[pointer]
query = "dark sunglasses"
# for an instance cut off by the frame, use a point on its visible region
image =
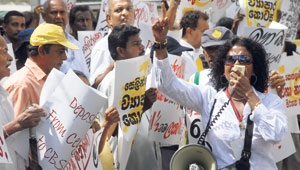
(243, 59)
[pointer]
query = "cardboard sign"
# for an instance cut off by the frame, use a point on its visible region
(271, 39)
(86, 156)
(290, 69)
(4, 154)
(69, 115)
(128, 98)
(258, 13)
(166, 116)
(88, 39)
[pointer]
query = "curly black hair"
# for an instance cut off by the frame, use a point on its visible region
(260, 64)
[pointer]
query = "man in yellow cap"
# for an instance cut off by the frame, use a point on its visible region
(47, 50)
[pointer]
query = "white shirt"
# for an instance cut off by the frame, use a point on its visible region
(75, 58)
(270, 124)
(189, 58)
(100, 59)
(6, 116)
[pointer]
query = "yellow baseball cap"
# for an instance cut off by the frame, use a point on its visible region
(47, 33)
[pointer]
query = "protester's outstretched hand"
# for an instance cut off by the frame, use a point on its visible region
(30, 117)
(111, 116)
(161, 26)
(277, 81)
(150, 98)
(236, 21)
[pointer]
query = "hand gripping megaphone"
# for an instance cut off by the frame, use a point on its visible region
(193, 157)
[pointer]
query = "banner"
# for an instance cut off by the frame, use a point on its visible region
(166, 116)
(4, 154)
(271, 39)
(88, 39)
(86, 156)
(69, 115)
(128, 98)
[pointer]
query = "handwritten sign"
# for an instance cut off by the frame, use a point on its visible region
(129, 96)
(289, 68)
(69, 115)
(271, 39)
(289, 17)
(102, 24)
(86, 156)
(258, 13)
(88, 40)
(166, 115)
(4, 154)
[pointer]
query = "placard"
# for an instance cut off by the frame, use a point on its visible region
(128, 98)
(69, 115)
(166, 116)
(88, 39)
(86, 156)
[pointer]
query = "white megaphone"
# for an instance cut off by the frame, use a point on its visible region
(193, 157)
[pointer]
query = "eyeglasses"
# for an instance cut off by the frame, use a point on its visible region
(243, 59)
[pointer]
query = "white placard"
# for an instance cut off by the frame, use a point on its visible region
(128, 98)
(86, 157)
(271, 39)
(166, 116)
(258, 13)
(290, 69)
(4, 154)
(69, 115)
(88, 39)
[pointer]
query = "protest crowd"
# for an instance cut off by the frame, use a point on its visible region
(134, 86)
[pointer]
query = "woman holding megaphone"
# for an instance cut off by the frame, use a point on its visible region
(236, 104)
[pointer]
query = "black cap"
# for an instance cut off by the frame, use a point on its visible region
(174, 47)
(216, 36)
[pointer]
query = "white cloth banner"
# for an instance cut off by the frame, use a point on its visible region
(166, 116)
(69, 115)
(88, 39)
(86, 157)
(128, 98)
(4, 154)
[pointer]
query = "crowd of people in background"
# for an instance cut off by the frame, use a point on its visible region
(209, 74)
